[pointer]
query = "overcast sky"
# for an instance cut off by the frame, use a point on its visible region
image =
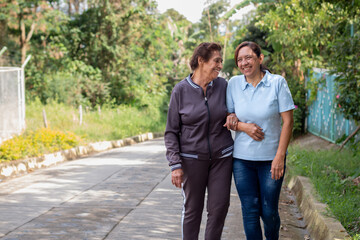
(192, 9)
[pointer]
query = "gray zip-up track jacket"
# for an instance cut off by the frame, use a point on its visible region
(195, 122)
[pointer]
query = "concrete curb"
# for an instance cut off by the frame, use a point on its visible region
(20, 167)
(320, 226)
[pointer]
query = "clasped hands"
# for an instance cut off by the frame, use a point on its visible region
(251, 129)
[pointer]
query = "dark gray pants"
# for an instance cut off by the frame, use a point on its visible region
(215, 176)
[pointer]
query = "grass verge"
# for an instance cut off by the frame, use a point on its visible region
(335, 176)
(108, 123)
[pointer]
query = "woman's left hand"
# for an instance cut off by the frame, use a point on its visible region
(277, 168)
(231, 121)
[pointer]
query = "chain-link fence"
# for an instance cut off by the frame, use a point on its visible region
(12, 101)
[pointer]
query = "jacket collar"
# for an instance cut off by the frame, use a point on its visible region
(194, 85)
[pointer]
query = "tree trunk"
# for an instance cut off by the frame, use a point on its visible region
(225, 41)
(69, 10)
(208, 13)
(349, 137)
(23, 52)
(77, 6)
(24, 40)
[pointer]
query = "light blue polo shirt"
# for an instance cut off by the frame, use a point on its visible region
(261, 105)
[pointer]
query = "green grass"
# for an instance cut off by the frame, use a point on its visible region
(64, 129)
(108, 124)
(332, 173)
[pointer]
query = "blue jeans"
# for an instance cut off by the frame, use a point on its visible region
(259, 196)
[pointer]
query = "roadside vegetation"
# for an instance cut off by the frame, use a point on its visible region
(36, 143)
(109, 122)
(336, 178)
(64, 130)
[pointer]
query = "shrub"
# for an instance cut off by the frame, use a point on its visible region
(36, 143)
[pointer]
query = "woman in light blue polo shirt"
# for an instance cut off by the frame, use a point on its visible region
(257, 102)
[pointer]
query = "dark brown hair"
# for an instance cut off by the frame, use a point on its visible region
(205, 51)
(255, 48)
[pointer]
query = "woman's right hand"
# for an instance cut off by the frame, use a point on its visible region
(253, 130)
(177, 177)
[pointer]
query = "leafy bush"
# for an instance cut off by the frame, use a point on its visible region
(355, 237)
(75, 83)
(36, 143)
(346, 65)
(344, 60)
(298, 95)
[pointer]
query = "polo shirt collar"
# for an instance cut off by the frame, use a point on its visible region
(264, 81)
(194, 85)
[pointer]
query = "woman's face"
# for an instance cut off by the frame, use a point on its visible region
(248, 62)
(211, 68)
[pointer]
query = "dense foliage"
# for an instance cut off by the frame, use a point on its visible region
(344, 60)
(111, 51)
(128, 53)
(301, 35)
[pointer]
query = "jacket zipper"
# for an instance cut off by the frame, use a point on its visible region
(208, 138)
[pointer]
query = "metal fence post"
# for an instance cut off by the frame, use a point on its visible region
(22, 100)
(3, 50)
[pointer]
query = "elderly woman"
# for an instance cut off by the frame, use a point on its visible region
(199, 147)
(260, 101)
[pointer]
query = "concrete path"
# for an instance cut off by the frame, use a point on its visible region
(123, 193)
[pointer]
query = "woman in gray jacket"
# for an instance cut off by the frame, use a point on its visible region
(199, 148)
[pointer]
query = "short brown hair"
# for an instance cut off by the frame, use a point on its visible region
(205, 51)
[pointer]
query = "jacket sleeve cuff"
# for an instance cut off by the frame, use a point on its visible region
(175, 166)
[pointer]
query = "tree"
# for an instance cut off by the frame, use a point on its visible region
(24, 18)
(4, 16)
(344, 62)
(128, 44)
(252, 33)
(182, 33)
(299, 33)
(74, 4)
(209, 22)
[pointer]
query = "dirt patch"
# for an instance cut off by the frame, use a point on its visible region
(313, 142)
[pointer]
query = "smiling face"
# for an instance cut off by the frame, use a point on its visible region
(211, 68)
(248, 62)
